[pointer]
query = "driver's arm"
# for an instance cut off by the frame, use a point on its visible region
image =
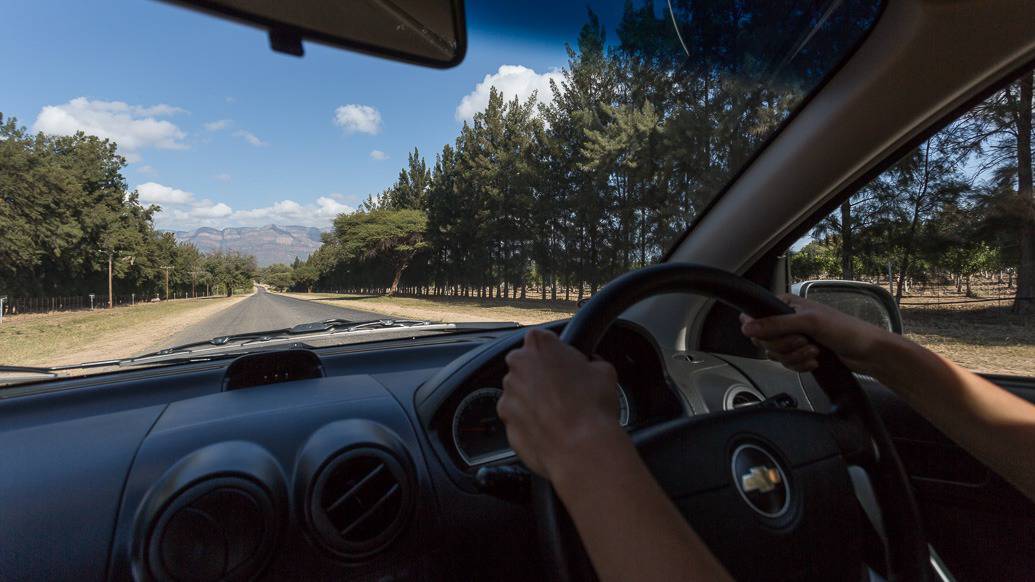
(993, 424)
(560, 410)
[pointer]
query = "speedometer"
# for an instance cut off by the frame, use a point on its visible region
(623, 407)
(481, 437)
(478, 432)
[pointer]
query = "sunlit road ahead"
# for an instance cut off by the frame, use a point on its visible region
(263, 311)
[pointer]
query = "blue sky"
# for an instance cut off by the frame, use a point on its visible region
(221, 131)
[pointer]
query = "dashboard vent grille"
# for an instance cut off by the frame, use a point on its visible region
(739, 396)
(360, 502)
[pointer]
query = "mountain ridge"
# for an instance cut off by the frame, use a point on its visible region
(269, 243)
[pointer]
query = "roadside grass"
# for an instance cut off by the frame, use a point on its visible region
(449, 308)
(42, 339)
(984, 337)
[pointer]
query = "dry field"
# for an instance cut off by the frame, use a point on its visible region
(51, 339)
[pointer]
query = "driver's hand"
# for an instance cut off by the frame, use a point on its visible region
(785, 338)
(556, 403)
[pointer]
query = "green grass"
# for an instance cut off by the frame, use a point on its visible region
(38, 338)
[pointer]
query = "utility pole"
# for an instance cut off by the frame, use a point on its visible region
(111, 259)
(193, 280)
(166, 269)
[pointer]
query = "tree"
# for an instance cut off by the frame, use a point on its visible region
(279, 276)
(1000, 131)
(918, 187)
(815, 260)
(231, 270)
(392, 236)
(305, 276)
(410, 190)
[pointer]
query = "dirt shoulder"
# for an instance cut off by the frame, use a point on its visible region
(68, 338)
(447, 308)
(979, 337)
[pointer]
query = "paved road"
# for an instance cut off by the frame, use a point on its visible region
(264, 311)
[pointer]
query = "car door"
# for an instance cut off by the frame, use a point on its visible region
(948, 230)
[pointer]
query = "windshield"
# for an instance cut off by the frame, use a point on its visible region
(166, 179)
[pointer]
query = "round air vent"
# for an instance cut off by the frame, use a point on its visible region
(218, 529)
(739, 396)
(214, 515)
(360, 502)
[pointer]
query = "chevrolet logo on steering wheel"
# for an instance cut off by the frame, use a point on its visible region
(761, 479)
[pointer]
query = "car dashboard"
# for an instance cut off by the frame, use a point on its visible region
(340, 462)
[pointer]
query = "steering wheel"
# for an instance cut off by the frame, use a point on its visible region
(768, 489)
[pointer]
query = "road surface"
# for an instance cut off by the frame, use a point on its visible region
(264, 311)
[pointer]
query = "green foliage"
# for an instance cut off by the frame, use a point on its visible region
(816, 260)
(65, 209)
(382, 241)
(279, 276)
(230, 272)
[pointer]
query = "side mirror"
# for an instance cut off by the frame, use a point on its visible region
(870, 303)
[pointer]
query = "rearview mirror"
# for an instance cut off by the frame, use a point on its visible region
(424, 32)
(870, 303)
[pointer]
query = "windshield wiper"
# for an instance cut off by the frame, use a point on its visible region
(19, 374)
(25, 369)
(335, 325)
(327, 327)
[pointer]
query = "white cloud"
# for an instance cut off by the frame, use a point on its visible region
(222, 177)
(231, 100)
(289, 212)
(208, 209)
(218, 125)
(378, 155)
(250, 138)
(155, 193)
(132, 127)
(355, 118)
(182, 210)
(512, 81)
(146, 170)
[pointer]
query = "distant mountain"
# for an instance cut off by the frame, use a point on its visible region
(268, 244)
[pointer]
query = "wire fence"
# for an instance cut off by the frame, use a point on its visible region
(25, 305)
(1007, 299)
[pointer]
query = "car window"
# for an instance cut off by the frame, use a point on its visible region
(949, 231)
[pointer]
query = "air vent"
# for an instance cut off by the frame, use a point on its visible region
(739, 396)
(360, 502)
(218, 529)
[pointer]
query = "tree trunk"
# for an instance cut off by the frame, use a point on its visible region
(847, 244)
(1024, 301)
(395, 279)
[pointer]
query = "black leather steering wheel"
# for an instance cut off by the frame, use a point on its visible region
(767, 488)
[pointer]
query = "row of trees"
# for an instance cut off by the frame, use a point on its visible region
(637, 137)
(960, 204)
(636, 140)
(66, 213)
(297, 276)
